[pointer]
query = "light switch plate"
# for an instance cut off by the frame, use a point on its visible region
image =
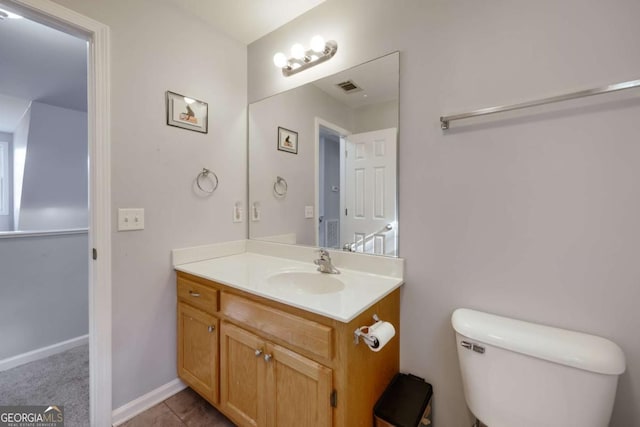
(130, 219)
(308, 211)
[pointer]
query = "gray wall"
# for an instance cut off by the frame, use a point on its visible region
(531, 215)
(54, 188)
(156, 47)
(43, 291)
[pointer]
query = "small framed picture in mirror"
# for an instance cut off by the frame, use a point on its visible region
(187, 113)
(287, 140)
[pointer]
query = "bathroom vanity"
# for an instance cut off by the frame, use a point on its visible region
(266, 351)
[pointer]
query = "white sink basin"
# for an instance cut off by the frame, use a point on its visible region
(306, 283)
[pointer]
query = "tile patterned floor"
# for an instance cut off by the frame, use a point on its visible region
(184, 409)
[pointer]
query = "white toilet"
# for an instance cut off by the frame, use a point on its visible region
(520, 374)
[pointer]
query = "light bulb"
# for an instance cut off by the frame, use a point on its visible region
(317, 44)
(297, 51)
(280, 59)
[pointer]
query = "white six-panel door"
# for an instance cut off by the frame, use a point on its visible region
(369, 204)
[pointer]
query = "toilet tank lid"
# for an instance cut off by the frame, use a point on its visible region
(576, 349)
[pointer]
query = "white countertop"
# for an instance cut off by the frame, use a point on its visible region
(249, 272)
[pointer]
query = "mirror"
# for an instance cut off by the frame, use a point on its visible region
(323, 161)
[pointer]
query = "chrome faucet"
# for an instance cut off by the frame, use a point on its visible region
(324, 263)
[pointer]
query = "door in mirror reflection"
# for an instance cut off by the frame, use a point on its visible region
(369, 197)
(357, 182)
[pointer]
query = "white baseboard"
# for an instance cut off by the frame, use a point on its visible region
(144, 402)
(41, 353)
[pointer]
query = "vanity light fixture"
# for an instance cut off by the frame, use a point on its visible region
(302, 59)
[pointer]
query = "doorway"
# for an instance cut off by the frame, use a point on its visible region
(329, 182)
(99, 243)
(44, 308)
(329, 192)
(355, 189)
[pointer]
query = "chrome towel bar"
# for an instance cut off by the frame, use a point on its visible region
(444, 120)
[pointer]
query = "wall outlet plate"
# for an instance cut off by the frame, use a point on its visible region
(255, 212)
(237, 213)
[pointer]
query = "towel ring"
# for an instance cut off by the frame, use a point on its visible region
(280, 187)
(205, 174)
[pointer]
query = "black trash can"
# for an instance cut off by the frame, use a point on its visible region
(406, 402)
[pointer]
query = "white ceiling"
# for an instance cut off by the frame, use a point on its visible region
(38, 63)
(247, 20)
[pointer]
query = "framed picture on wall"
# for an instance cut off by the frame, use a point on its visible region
(287, 140)
(187, 113)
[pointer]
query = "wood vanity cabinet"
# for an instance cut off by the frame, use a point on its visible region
(280, 366)
(264, 384)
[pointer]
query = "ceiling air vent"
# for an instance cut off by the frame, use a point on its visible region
(349, 86)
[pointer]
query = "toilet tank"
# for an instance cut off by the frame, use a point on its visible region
(517, 373)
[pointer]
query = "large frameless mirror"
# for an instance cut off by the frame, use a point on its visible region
(323, 161)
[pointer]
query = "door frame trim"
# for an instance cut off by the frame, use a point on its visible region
(99, 143)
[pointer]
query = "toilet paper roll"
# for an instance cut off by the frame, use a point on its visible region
(381, 333)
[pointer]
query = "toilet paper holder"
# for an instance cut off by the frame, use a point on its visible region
(359, 333)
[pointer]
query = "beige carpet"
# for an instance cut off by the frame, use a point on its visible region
(61, 379)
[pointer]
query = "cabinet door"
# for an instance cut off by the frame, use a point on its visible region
(198, 350)
(298, 390)
(242, 376)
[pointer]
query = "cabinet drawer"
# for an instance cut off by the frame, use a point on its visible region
(298, 332)
(198, 295)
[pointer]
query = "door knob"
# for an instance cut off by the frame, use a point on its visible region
(258, 352)
(268, 357)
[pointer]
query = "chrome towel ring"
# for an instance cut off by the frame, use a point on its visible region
(280, 187)
(205, 175)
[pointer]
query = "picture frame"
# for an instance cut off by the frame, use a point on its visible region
(287, 140)
(187, 113)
